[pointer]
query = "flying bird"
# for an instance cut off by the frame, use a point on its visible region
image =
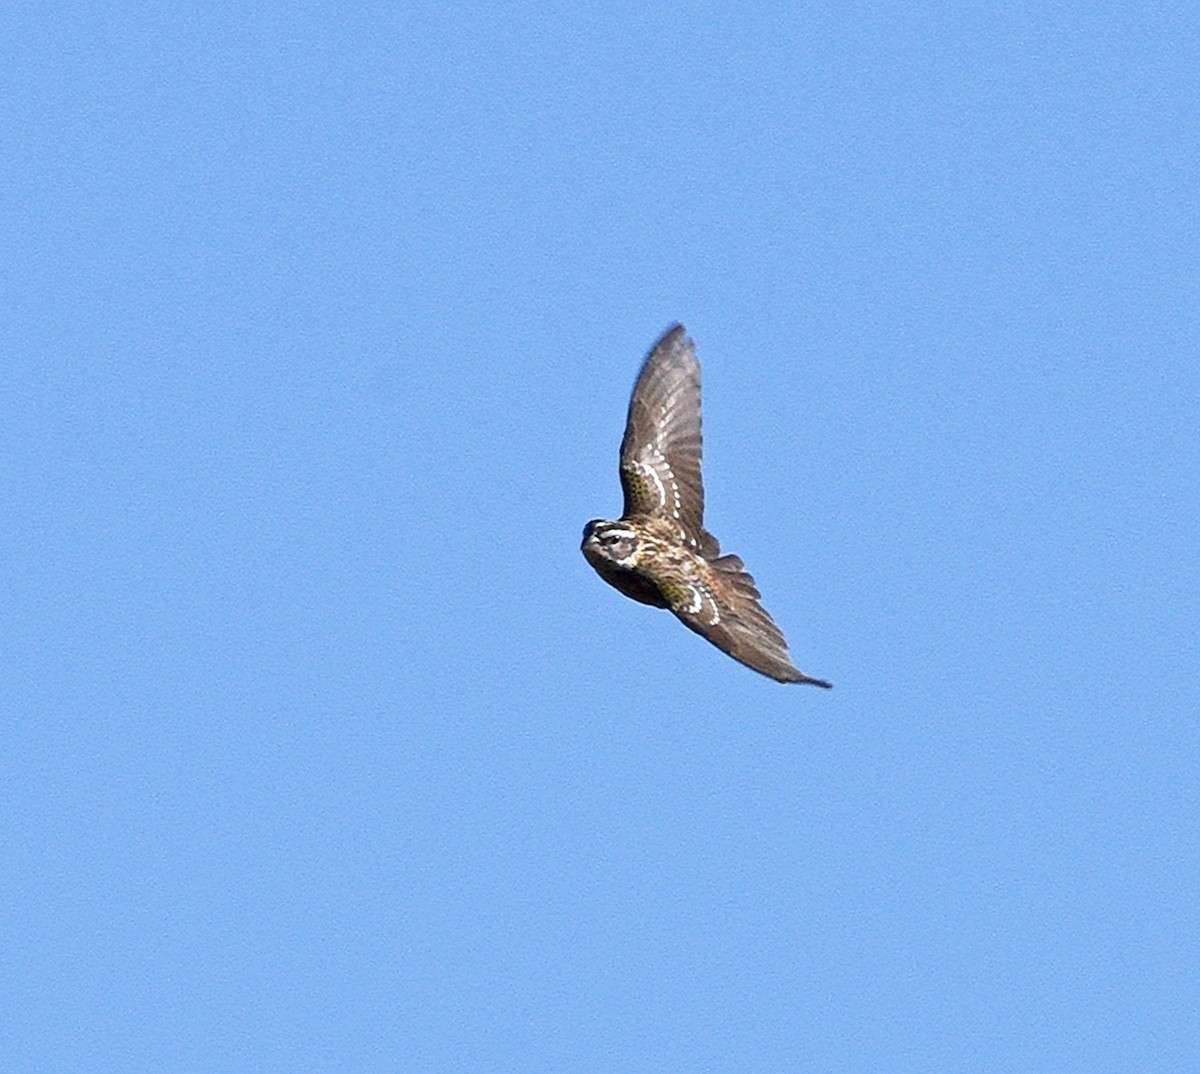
(658, 552)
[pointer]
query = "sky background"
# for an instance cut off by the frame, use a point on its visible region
(321, 746)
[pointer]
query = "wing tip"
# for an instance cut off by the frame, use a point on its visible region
(800, 677)
(674, 339)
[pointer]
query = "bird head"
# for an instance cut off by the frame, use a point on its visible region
(610, 543)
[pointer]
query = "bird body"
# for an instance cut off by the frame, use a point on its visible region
(658, 552)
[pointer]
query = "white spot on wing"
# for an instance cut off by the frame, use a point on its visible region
(716, 613)
(652, 473)
(700, 598)
(661, 461)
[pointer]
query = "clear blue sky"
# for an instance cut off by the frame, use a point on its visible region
(322, 747)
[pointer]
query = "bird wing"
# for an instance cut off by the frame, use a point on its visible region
(660, 453)
(724, 607)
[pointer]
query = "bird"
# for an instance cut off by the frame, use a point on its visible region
(658, 552)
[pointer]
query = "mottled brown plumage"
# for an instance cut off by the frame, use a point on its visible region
(658, 552)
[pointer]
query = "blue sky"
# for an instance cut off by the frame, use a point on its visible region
(324, 749)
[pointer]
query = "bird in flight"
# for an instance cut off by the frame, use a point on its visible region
(658, 552)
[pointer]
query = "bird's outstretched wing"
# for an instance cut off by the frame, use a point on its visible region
(660, 454)
(725, 608)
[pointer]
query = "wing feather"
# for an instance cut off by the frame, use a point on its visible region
(729, 614)
(661, 449)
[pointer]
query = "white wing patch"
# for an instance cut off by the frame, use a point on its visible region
(702, 605)
(661, 459)
(649, 471)
(656, 469)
